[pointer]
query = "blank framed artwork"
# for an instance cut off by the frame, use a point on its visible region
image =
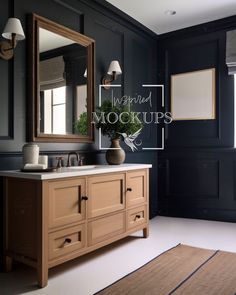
(193, 95)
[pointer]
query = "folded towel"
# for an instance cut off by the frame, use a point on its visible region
(43, 159)
(35, 166)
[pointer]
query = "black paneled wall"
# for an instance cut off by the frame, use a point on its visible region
(196, 173)
(117, 37)
(196, 170)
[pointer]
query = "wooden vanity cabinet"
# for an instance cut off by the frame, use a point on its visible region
(48, 222)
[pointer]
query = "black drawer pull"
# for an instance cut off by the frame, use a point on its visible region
(85, 198)
(138, 216)
(68, 240)
(129, 189)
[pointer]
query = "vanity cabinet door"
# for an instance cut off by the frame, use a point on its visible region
(136, 190)
(67, 202)
(106, 194)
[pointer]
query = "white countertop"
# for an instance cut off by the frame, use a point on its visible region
(66, 172)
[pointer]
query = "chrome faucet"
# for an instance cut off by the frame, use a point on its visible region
(68, 160)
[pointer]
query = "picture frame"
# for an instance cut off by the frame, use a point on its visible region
(193, 95)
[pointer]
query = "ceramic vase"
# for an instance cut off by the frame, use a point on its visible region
(115, 155)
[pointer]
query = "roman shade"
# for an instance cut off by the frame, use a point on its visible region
(231, 51)
(52, 73)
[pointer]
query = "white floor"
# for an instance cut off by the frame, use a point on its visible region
(93, 272)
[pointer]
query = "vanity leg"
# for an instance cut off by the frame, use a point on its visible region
(8, 263)
(42, 234)
(146, 232)
(42, 277)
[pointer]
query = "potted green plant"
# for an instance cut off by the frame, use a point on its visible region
(81, 125)
(117, 122)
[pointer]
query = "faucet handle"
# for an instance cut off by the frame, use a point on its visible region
(81, 161)
(59, 161)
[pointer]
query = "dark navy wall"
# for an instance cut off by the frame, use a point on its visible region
(196, 172)
(117, 37)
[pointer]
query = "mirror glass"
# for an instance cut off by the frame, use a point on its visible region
(64, 82)
(63, 85)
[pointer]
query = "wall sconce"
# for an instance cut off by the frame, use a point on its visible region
(113, 71)
(13, 31)
(85, 73)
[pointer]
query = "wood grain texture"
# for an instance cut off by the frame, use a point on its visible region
(162, 274)
(35, 22)
(66, 205)
(106, 194)
(136, 188)
(66, 241)
(58, 220)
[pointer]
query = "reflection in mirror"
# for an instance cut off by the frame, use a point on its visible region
(61, 83)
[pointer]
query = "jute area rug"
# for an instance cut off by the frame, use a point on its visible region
(181, 270)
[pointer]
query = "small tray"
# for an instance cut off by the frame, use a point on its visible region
(51, 169)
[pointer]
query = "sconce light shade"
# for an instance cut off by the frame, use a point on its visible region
(114, 67)
(13, 26)
(13, 31)
(113, 71)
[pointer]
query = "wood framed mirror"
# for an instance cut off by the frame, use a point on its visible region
(60, 83)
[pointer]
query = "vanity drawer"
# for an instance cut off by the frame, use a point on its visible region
(105, 228)
(137, 216)
(66, 241)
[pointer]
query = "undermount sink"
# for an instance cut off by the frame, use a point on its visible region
(85, 167)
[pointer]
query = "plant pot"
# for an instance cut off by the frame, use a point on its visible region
(115, 155)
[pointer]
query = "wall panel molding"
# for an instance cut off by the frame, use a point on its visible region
(73, 8)
(193, 179)
(107, 10)
(112, 36)
(178, 55)
(234, 177)
(7, 87)
(228, 23)
(198, 183)
(68, 6)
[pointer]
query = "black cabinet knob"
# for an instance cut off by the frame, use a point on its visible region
(85, 198)
(68, 240)
(138, 216)
(129, 189)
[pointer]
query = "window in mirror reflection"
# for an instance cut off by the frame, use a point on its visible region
(63, 85)
(81, 110)
(55, 111)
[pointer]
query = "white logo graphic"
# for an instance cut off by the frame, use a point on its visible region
(130, 139)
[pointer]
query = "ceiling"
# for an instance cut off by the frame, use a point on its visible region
(151, 13)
